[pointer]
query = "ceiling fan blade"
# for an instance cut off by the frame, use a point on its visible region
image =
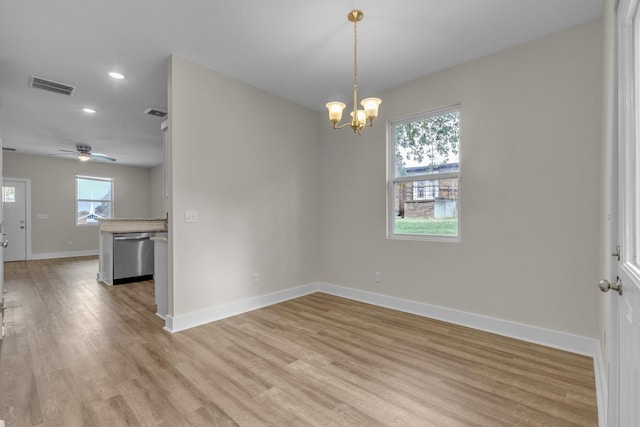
(100, 156)
(68, 151)
(66, 154)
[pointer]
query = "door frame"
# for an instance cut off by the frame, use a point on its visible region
(611, 201)
(27, 196)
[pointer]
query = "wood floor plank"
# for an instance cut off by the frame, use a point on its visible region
(80, 353)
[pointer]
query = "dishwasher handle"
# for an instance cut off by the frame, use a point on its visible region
(132, 238)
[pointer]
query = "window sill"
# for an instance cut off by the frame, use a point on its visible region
(424, 238)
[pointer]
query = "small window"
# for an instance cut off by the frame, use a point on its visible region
(94, 199)
(425, 190)
(424, 175)
(8, 194)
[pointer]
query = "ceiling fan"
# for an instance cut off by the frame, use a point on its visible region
(83, 153)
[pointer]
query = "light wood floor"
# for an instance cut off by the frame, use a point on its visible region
(81, 353)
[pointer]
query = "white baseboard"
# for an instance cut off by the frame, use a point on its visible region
(533, 334)
(197, 318)
(69, 254)
(547, 337)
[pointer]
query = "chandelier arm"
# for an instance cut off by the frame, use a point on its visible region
(337, 126)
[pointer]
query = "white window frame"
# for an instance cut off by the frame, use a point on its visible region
(94, 178)
(392, 179)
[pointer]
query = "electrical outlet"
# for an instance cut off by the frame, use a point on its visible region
(255, 279)
(190, 216)
(378, 277)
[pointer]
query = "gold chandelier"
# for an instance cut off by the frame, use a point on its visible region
(359, 118)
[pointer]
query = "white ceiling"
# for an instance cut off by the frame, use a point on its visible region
(300, 50)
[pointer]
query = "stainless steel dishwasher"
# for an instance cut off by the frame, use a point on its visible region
(132, 257)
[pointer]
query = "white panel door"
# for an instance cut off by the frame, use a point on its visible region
(626, 366)
(15, 219)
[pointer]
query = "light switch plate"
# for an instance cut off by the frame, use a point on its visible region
(190, 216)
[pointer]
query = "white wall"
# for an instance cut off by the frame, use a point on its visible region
(247, 162)
(530, 191)
(53, 192)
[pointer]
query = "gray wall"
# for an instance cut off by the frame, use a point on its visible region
(530, 193)
(247, 162)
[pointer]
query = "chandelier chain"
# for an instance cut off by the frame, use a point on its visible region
(355, 54)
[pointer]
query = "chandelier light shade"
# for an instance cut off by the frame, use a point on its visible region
(359, 117)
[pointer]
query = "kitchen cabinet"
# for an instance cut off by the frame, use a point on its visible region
(105, 258)
(113, 235)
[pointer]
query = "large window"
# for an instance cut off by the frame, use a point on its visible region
(94, 199)
(424, 176)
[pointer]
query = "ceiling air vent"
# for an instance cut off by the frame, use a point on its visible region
(51, 86)
(153, 111)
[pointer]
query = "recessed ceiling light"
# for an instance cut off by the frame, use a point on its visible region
(115, 75)
(89, 110)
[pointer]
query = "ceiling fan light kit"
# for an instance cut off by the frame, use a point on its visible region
(83, 153)
(359, 117)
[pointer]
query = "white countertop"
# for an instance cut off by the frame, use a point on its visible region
(132, 225)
